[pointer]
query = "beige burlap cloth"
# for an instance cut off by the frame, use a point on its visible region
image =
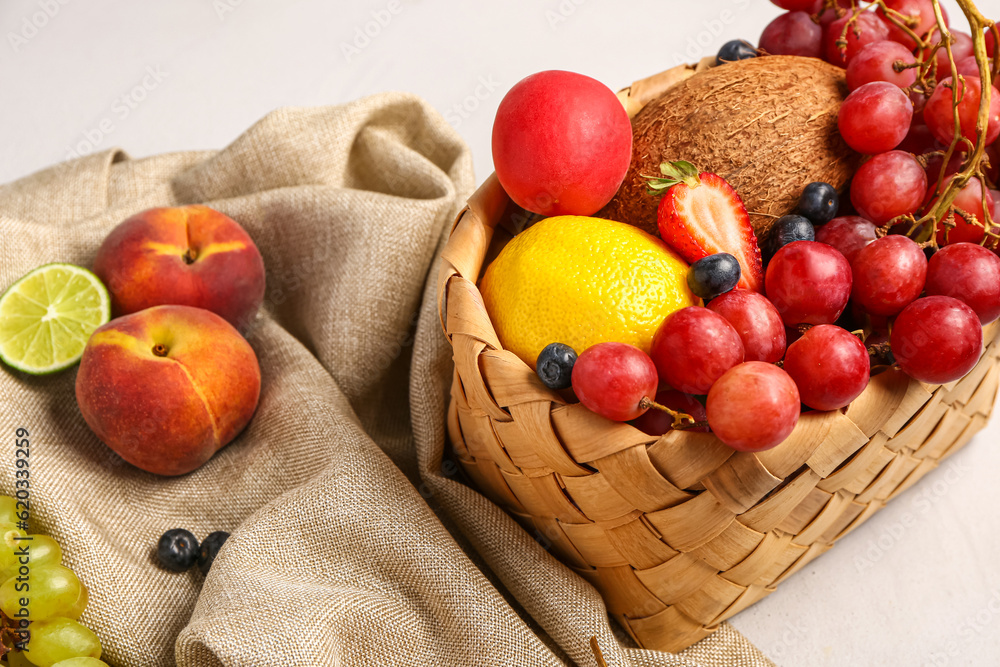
(352, 543)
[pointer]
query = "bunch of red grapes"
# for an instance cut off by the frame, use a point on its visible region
(841, 292)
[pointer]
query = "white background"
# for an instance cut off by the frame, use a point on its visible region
(919, 584)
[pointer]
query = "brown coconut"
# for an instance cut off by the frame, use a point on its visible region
(767, 125)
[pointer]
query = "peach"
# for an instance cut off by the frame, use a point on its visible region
(187, 256)
(167, 387)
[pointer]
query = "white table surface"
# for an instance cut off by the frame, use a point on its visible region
(919, 584)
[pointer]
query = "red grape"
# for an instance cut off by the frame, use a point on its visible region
(809, 283)
(611, 379)
(694, 347)
(921, 10)
(809, 6)
(848, 234)
(939, 112)
(967, 67)
(793, 34)
(830, 367)
(875, 62)
(753, 407)
(887, 186)
(875, 118)
(889, 274)
(935, 165)
(961, 49)
(920, 140)
(969, 273)
(658, 422)
(970, 201)
(863, 30)
(757, 322)
(936, 339)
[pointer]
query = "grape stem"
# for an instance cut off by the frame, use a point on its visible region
(681, 419)
(927, 49)
(598, 655)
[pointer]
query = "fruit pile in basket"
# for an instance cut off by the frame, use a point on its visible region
(735, 320)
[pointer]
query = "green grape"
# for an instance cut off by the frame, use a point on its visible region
(57, 639)
(50, 590)
(38, 549)
(81, 603)
(8, 510)
(18, 659)
(81, 662)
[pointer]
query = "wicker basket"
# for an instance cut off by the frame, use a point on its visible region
(678, 533)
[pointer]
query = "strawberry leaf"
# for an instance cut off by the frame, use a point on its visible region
(673, 173)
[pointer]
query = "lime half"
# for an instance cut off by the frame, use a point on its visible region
(47, 316)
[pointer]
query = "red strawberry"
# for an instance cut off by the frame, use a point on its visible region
(701, 215)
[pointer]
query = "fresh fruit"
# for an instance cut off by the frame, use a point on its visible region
(792, 228)
(54, 589)
(43, 551)
(57, 639)
(81, 662)
(753, 407)
(792, 34)
(961, 49)
(167, 387)
(937, 339)
(757, 322)
(956, 227)
(582, 281)
(809, 6)
(887, 186)
(694, 347)
(658, 422)
(848, 35)
(47, 316)
(830, 367)
(918, 14)
(734, 50)
(968, 67)
(186, 256)
(714, 275)
(939, 112)
(809, 283)
(969, 273)
(848, 234)
(882, 61)
(889, 274)
(875, 118)
(614, 380)
(701, 215)
(561, 143)
(555, 365)
(177, 549)
(696, 120)
(819, 202)
(210, 549)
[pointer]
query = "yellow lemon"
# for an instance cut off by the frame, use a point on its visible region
(582, 281)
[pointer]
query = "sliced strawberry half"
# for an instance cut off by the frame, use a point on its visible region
(700, 214)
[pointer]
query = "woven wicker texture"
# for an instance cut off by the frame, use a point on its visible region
(678, 533)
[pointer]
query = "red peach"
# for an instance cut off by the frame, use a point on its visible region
(186, 256)
(167, 387)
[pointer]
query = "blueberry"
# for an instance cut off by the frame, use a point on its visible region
(177, 549)
(714, 275)
(792, 228)
(210, 548)
(555, 365)
(819, 203)
(737, 49)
